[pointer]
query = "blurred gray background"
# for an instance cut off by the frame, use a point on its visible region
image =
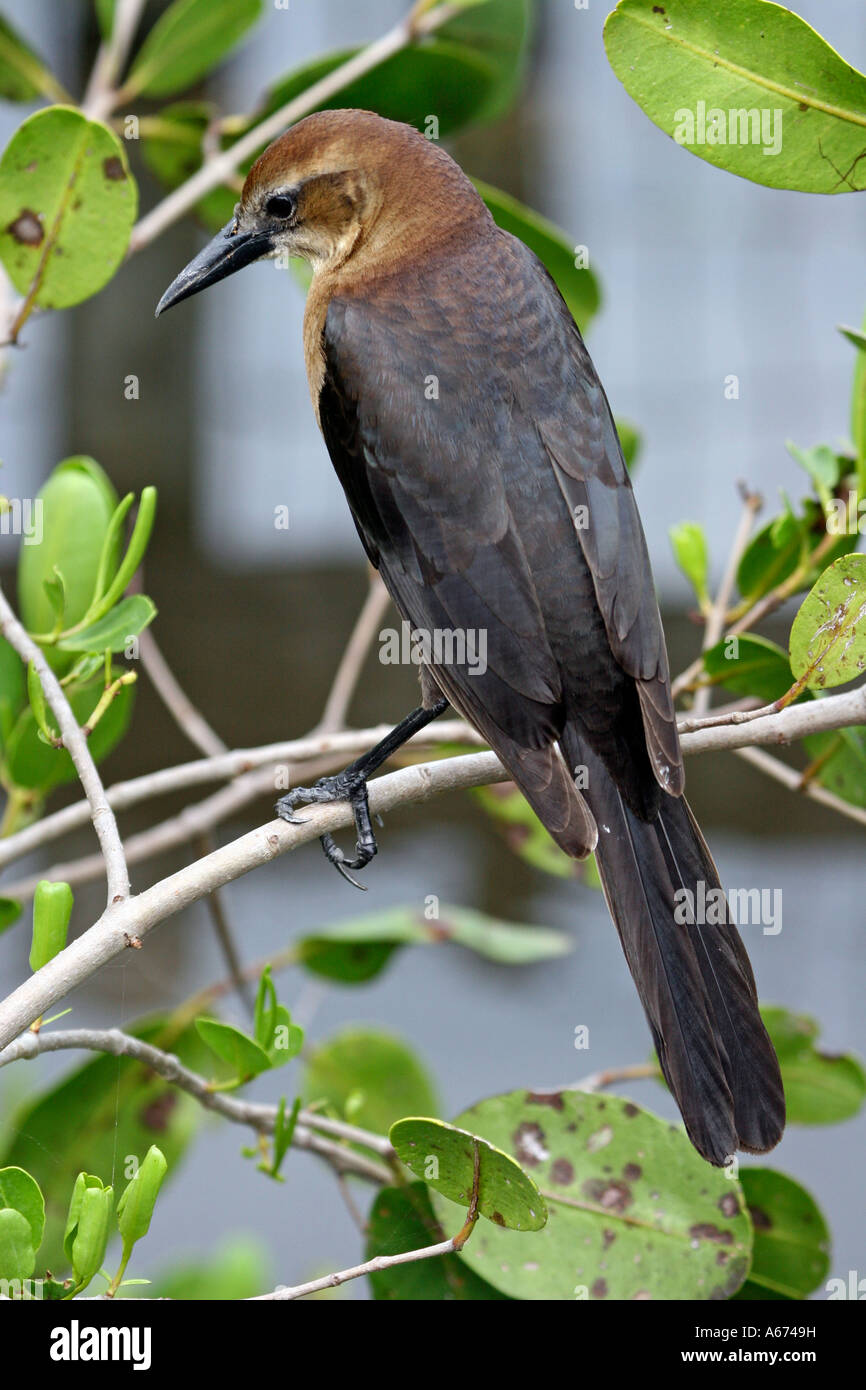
(703, 275)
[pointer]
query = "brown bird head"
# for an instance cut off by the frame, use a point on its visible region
(340, 187)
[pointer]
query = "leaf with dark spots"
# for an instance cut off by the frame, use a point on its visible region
(760, 1219)
(635, 1234)
(705, 1230)
(552, 1098)
(157, 1114)
(613, 1196)
(27, 229)
(791, 1256)
(599, 1289)
(113, 168)
(498, 1218)
(729, 1204)
(530, 1147)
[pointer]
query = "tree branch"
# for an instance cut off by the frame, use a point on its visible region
(121, 796)
(184, 713)
(101, 95)
(75, 744)
(353, 658)
(342, 1276)
(261, 1118)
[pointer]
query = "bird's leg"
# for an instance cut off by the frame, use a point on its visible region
(351, 785)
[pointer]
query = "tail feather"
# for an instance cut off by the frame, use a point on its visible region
(694, 980)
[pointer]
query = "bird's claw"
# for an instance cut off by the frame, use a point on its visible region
(343, 786)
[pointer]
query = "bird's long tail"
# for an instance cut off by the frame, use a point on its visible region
(694, 980)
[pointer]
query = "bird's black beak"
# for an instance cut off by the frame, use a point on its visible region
(229, 251)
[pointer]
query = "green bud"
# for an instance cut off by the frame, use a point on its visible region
(52, 908)
(135, 1208)
(87, 1227)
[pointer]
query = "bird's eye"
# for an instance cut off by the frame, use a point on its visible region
(281, 205)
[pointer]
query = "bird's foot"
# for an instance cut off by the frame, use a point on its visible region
(348, 786)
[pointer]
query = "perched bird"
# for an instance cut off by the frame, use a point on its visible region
(499, 502)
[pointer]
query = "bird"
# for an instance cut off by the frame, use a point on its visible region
(480, 460)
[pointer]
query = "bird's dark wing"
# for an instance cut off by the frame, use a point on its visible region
(487, 483)
(420, 458)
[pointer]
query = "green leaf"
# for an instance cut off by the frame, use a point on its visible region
(527, 837)
(20, 1192)
(76, 504)
(52, 909)
(820, 1088)
(371, 1071)
(578, 287)
(105, 16)
(138, 1199)
(236, 1269)
(31, 763)
(631, 440)
(67, 205)
(114, 632)
(135, 551)
(635, 1212)
(109, 1106)
(243, 1055)
(189, 39)
(17, 1255)
(38, 706)
(445, 1157)
(10, 911)
(13, 689)
(55, 592)
(402, 1219)
(684, 60)
(857, 336)
(841, 755)
(791, 1255)
(858, 404)
(23, 76)
(779, 548)
(358, 949)
(689, 544)
(468, 71)
(824, 466)
(828, 635)
(284, 1130)
(749, 665)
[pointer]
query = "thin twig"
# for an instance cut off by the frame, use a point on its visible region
(130, 921)
(225, 936)
(261, 1118)
(75, 743)
(793, 780)
(342, 1276)
(715, 625)
(640, 1071)
(122, 795)
(184, 713)
(101, 95)
(353, 658)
